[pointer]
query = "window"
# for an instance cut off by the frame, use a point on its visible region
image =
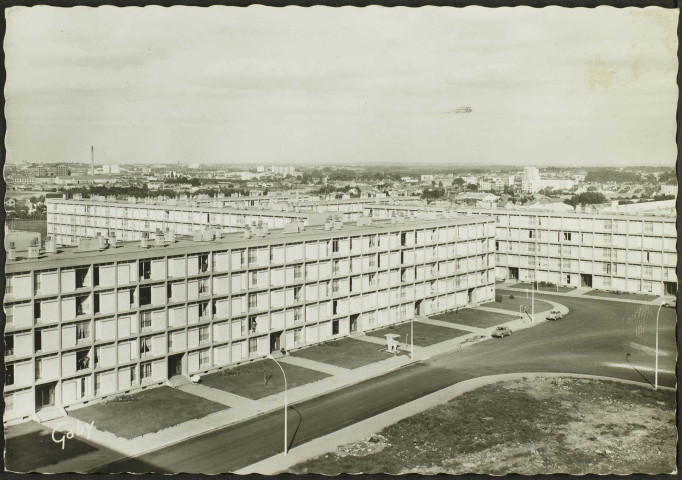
(204, 310)
(606, 252)
(298, 315)
(403, 239)
(39, 368)
(335, 246)
(647, 286)
(254, 279)
(648, 271)
(133, 375)
(298, 272)
(566, 263)
(9, 314)
(82, 332)
(204, 358)
(607, 268)
(9, 402)
(145, 320)
(372, 279)
(9, 374)
(647, 256)
(145, 347)
(170, 341)
(335, 286)
(567, 236)
(9, 345)
(9, 285)
(531, 233)
(203, 286)
(98, 383)
(145, 269)
(146, 371)
(37, 283)
(608, 224)
(648, 227)
(298, 336)
(336, 267)
(253, 346)
(497, 246)
(204, 334)
(297, 294)
(203, 262)
(253, 255)
(252, 324)
(531, 248)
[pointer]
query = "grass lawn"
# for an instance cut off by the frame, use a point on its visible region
(621, 295)
(346, 353)
(29, 446)
(513, 304)
(475, 318)
(252, 381)
(30, 226)
(526, 286)
(149, 411)
(424, 334)
(530, 427)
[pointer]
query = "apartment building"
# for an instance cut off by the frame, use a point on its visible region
(625, 253)
(90, 322)
(71, 219)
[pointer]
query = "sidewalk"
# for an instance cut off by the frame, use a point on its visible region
(580, 292)
(361, 430)
(241, 408)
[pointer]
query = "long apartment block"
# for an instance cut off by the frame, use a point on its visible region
(89, 322)
(68, 220)
(610, 252)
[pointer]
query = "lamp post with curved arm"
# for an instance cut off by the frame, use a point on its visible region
(286, 436)
(656, 365)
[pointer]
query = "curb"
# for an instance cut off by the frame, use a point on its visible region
(356, 432)
(93, 469)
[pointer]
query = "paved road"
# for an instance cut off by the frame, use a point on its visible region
(595, 338)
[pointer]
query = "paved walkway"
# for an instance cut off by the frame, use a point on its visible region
(216, 395)
(456, 326)
(242, 409)
(361, 430)
(313, 365)
(581, 293)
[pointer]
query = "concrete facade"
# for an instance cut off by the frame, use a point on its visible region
(83, 324)
(610, 252)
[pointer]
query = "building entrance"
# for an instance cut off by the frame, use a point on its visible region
(275, 341)
(175, 365)
(585, 280)
(45, 395)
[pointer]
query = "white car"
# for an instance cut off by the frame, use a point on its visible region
(671, 303)
(554, 315)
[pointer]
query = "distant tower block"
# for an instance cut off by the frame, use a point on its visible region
(92, 160)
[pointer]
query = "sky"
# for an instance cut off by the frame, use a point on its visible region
(335, 86)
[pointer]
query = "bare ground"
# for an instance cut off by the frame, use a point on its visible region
(529, 426)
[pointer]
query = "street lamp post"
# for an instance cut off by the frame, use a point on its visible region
(412, 338)
(286, 407)
(656, 365)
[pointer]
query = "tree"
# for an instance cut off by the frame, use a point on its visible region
(472, 186)
(586, 198)
(458, 181)
(440, 184)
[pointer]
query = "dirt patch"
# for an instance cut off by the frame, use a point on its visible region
(529, 426)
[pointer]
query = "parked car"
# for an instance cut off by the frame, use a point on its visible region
(671, 303)
(554, 315)
(501, 331)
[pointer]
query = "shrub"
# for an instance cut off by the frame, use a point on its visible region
(511, 297)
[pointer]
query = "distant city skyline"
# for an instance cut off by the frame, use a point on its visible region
(257, 85)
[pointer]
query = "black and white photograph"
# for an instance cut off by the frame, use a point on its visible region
(340, 240)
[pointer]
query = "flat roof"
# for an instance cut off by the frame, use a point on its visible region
(72, 256)
(528, 211)
(166, 206)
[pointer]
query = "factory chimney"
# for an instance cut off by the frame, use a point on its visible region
(92, 159)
